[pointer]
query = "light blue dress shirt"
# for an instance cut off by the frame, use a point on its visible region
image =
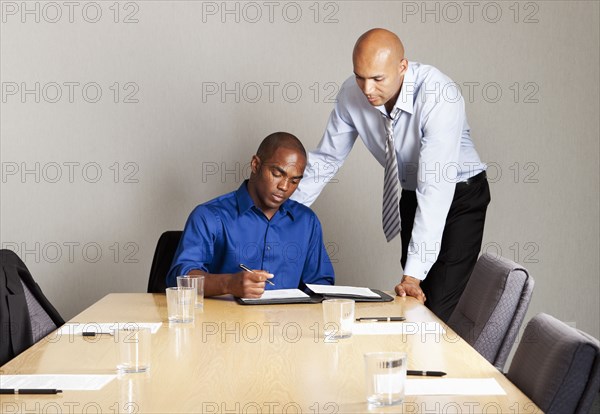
(229, 230)
(433, 146)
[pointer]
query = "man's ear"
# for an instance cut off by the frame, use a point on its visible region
(255, 164)
(403, 66)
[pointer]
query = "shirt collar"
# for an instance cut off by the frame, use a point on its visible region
(405, 98)
(245, 202)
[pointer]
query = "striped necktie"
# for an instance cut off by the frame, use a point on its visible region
(391, 185)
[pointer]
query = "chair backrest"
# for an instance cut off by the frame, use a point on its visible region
(26, 315)
(41, 322)
(557, 366)
(161, 263)
(492, 307)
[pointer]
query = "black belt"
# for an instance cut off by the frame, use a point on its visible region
(475, 179)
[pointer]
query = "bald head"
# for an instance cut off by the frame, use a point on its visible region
(279, 140)
(378, 43)
(379, 66)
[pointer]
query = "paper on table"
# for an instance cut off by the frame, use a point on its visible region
(57, 381)
(77, 328)
(397, 328)
(342, 290)
(279, 294)
(453, 386)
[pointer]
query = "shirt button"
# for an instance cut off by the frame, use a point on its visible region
(268, 247)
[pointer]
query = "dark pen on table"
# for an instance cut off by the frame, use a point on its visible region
(94, 333)
(381, 319)
(251, 271)
(426, 373)
(29, 391)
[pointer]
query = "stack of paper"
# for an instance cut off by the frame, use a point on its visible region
(328, 290)
(278, 294)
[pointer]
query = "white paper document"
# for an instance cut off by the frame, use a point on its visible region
(279, 294)
(453, 386)
(397, 328)
(77, 328)
(57, 381)
(342, 290)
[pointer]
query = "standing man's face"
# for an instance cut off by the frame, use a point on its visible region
(274, 180)
(379, 75)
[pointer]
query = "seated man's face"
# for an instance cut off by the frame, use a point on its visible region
(276, 178)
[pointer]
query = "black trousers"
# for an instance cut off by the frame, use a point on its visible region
(461, 244)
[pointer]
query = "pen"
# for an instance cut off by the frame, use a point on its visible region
(92, 333)
(29, 391)
(426, 373)
(248, 270)
(381, 319)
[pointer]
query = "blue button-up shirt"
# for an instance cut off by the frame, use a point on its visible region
(433, 146)
(229, 230)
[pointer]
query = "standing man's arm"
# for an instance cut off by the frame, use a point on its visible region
(324, 162)
(442, 124)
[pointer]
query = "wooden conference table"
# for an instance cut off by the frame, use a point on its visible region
(248, 359)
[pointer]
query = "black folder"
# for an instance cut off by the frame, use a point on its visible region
(316, 298)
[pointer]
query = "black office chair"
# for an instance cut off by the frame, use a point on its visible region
(492, 307)
(557, 366)
(26, 315)
(161, 263)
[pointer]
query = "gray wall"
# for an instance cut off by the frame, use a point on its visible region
(188, 90)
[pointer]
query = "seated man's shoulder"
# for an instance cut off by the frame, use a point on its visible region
(301, 210)
(217, 205)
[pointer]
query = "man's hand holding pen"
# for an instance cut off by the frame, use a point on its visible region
(250, 283)
(245, 284)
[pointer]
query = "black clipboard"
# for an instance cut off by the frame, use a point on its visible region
(315, 298)
(383, 297)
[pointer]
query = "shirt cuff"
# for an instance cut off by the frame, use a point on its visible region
(181, 270)
(416, 267)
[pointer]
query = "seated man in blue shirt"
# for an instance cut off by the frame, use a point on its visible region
(259, 226)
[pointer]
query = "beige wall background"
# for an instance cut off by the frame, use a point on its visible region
(117, 118)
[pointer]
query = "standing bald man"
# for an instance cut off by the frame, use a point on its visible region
(411, 117)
